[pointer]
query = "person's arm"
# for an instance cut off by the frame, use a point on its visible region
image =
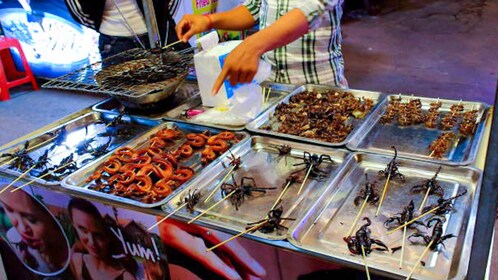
(239, 18)
(242, 63)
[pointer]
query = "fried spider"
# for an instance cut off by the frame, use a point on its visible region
(60, 138)
(444, 205)
(362, 238)
(283, 151)
(392, 168)
(245, 188)
(272, 222)
(431, 184)
(235, 162)
(437, 236)
(405, 216)
(312, 163)
(369, 191)
(191, 200)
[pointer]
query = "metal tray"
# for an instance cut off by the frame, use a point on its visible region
(321, 229)
(278, 91)
(413, 141)
(76, 181)
(184, 92)
(82, 127)
(359, 124)
(261, 161)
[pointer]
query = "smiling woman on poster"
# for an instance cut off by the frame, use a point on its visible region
(35, 236)
(92, 257)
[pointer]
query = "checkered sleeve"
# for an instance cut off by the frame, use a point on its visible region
(253, 6)
(315, 10)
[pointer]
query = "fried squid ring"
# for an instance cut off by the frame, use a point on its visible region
(146, 170)
(126, 155)
(219, 145)
(155, 152)
(226, 135)
(183, 174)
(186, 150)
(144, 183)
(111, 166)
(164, 187)
(164, 168)
(95, 176)
(157, 142)
(211, 139)
(168, 134)
(196, 140)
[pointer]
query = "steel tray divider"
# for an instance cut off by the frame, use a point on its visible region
(175, 114)
(255, 125)
(72, 125)
(298, 232)
(245, 151)
(74, 180)
(358, 144)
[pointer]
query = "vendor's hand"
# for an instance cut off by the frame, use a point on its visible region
(191, 25)
(240, 65)
(191, 240)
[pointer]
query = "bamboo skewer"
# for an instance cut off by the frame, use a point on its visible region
(305, 178)
(419, 259)
(172, 44)
(268, 96)
(425, 199)
(219, 184)
(169, 215)
(414, 219)
(17, 179)
(386, 185)
(7, 162)
(43, 176)
(358, 215)
(432, 153)
(281, 194)
(27, 150)
(209, 209)
(235, 236)
(402, 248)
(365, 261)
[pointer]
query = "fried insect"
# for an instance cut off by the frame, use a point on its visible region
(469, 123)
(436, 237)
(369, 191)
(401, 218)
(392, 168)
(245, 188)
(272, 222)
(445, 205)
(191, 200)
(362, 239)
(312, 163)
(430, 184)
(441, 145)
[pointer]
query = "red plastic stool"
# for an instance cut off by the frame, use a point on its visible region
(9, 75)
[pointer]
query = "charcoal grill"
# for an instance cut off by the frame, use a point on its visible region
(137, 78)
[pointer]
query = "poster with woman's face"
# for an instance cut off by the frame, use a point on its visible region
(32, 232)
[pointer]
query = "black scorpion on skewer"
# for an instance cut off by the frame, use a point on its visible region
(69, 166)
(102, 149)
(41, 165)
(362, 238)
(445, 205)
(313, 162)
(431, 184)
(21, 153)
(60, 138)
(191, 200)
(246, 188)
(437, 234)
(392, 168)
(272, 221)
(370, 191)
(403, 217)
(20, 159)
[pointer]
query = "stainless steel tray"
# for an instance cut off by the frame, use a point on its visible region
(359, 124)
(321, 229)
(413, 141)
(81, 127)
(185, 91)
(261, 161)
(278, 91)
(76, 181)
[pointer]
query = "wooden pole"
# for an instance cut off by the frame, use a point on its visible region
(425, 199)
(402, 248)
(304, 181)
(235, 236)
(419, 259)
(365, 261)
(209, 209)
(413, 220)
(281, 194)
(219, 184)
(41, 177)
(358, 215)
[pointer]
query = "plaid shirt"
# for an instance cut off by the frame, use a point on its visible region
(316, 57)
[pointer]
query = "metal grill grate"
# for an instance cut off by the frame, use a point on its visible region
(86, 79)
